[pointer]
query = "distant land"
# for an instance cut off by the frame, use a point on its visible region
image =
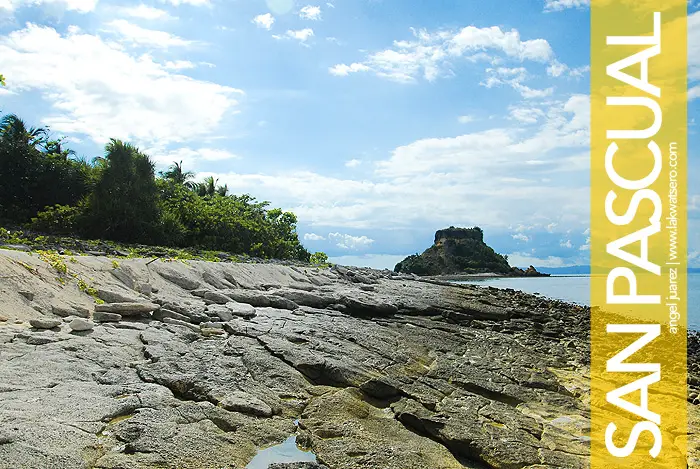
(586, 270)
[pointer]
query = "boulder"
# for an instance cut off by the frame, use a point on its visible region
(81, 325)
(45, 323)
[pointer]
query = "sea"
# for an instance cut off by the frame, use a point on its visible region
(576, 289)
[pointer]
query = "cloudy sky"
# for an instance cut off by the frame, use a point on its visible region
(376, 121)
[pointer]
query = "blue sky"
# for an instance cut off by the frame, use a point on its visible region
(376, 121)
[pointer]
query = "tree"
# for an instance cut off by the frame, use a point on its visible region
(20, 164)
(207, 187)
(123, 205)
(222, 190)
(2, 80)
(175, 174)
(319, 258)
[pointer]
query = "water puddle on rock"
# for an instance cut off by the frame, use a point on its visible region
(284, 452)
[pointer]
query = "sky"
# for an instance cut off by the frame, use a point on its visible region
(377, 122)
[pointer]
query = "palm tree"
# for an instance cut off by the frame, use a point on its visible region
(178, 176)
(13, 129)
(207, 187)
(55, 147)
(222, 190)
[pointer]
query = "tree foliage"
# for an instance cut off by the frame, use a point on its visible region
(2, 80)
(118, 196)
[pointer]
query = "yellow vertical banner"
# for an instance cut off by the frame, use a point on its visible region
(638, 233)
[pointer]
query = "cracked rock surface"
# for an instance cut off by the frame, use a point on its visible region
(200, 365)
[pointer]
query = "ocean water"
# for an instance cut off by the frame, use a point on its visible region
(576, 289)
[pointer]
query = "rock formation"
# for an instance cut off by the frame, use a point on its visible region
(460, 251)
(200, 365)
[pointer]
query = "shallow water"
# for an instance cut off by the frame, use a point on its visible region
(284, 452)
(576, 289)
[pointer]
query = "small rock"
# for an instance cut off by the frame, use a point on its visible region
(242, 310)
(3, 318)
(44, 323)
(27, 294)
(212, 332)
(101, 316)
(127, 309)
(81, 325)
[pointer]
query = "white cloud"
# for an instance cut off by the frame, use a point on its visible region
(558, 5)
(146, 37)
(81, 6)
(694, 93)
(313, 237)
(430, 55)
(513, 77)
(310, 12)
(566, 244)
(146, 12)
(558, 69)
(374, 261)
(519, 259)
(521, 237)
(301, 35)
(527, 115)
(97, 89)
(587, 246)
(353, 163)
(196, 3)
(264, 21)
(465, 119)
(179, 65)
(342, 70)
(346, 241)
(191, 158)
(429, 181)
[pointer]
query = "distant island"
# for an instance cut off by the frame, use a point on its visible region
(461, 251)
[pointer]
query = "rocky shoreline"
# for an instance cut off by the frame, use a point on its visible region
(144, 363)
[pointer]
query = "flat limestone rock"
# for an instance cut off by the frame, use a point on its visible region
(127, 309)
(408, 375)
(81, 325)
(65, 311)
(101, 316)
(45, 323)
(113, 296)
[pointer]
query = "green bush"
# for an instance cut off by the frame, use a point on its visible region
(319, 258)
(59, 219)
